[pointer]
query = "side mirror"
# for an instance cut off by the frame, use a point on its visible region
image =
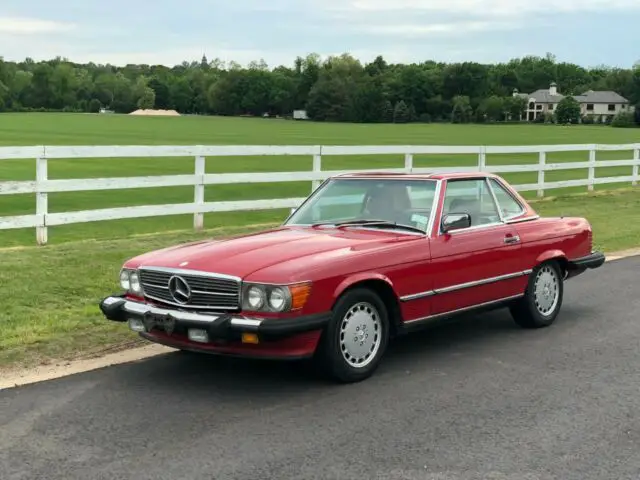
(455, 221)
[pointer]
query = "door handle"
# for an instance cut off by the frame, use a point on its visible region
(511, 239)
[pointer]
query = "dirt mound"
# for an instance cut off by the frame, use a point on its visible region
(171, 113)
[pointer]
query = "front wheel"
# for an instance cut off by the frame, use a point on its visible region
(356, 338)
(543, 297)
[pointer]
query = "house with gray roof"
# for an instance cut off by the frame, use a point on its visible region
(599, 104)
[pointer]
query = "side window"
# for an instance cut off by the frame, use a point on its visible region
(508, 205)
(472, 197)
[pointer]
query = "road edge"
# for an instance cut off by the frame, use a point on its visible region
(17, 378)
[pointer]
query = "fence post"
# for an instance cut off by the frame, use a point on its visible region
(636, 158)
(592, 167)
(317, 167)
(482, 158)
(408, 162)
(198, 198)
(542, 162)
(42, 199)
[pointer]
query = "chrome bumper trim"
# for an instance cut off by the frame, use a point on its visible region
(141, 309)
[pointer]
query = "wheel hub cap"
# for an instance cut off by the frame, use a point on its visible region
(546, 290)
(360, 334)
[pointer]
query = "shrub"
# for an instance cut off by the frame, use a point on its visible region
(623, 120)
(588, 119)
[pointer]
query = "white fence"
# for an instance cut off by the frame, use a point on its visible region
(42, 185)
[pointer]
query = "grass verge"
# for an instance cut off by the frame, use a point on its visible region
(50, 309)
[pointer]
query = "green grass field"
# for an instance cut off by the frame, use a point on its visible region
(86, 129)
(61, 318)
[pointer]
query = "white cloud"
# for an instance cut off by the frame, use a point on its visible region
(31, 26)
(483, 7)
(400, 30)
(434, 29)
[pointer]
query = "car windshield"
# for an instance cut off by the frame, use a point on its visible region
(381, 202)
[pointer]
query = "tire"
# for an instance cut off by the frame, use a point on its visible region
(354, 341)
(543, 297)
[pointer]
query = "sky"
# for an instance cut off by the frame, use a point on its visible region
(586, 32)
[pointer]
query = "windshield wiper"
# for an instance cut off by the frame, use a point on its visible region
(347, 222)
(370, 222)
(387, 224)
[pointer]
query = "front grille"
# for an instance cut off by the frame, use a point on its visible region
(208, 291)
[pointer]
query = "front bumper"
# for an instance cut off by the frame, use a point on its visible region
(218, 327)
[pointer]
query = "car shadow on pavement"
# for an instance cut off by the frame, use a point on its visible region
(209, 374)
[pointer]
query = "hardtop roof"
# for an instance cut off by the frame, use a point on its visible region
(414, 176)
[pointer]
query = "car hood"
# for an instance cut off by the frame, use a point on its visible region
(243, 255)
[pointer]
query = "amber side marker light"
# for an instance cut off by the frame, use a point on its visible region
(299, 295)
(250, 338)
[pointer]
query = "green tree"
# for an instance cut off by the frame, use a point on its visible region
(401, 112)
(339, 88)
(462, 111)
(568, 110)
(387, 112)
(516, 107)
(369, 100)
(148, 99)
(491, 109)
(4, 95)
(161, 91)
(438, 108)
(329, 100)
(94, 105)
(181, 95)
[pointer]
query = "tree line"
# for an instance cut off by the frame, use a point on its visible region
(338, 88)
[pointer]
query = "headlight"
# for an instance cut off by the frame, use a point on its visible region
(134, 280)
(256, 297)
(274, 298)
(130, 281)
(125, 282)
(278, 298)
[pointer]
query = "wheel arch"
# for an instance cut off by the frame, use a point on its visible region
(383, 287)
(556, 255)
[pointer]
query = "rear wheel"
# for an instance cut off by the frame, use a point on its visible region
(356, 338)
(543, 297)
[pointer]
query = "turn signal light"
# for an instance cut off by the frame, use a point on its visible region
(299, 295)
(250, 338)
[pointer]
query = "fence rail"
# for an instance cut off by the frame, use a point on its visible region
(42, 185)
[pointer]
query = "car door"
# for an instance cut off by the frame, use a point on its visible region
(479, 264)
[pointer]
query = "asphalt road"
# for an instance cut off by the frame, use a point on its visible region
(480, 398)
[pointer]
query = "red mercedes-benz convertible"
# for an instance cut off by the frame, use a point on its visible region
(366, 257)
